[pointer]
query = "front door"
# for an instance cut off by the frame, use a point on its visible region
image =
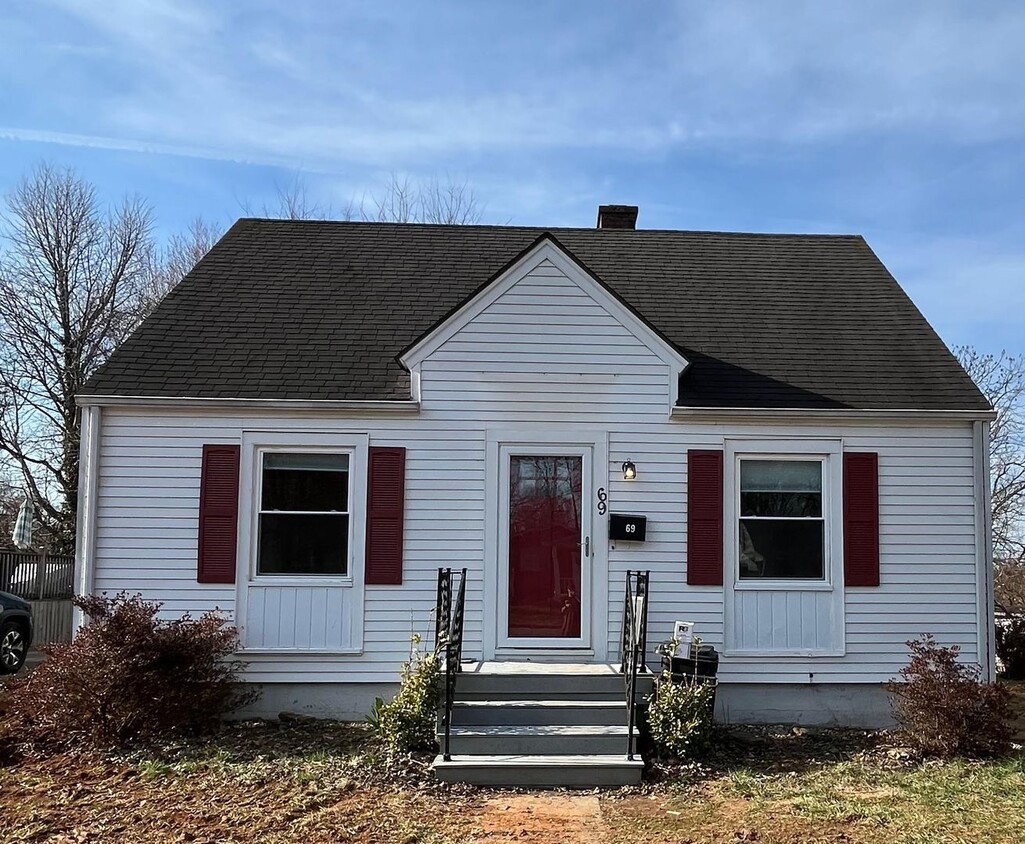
(545, 547)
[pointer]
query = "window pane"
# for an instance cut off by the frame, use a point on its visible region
(302, 544)
(781, 488)
(318, 482)
(781, 549)
(309, 462)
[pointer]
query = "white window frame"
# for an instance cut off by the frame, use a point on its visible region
(255, 576)
(830, 451)
(253, 441)
(257, 442)
(788, 583)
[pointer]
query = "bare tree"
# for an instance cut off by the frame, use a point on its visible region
(401, 200)
(293, 201)
(433, 201)
(1002, 379)
(70, 279)
(75, 280)
(176, 259)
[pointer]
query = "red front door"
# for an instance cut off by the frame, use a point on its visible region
(545, 546)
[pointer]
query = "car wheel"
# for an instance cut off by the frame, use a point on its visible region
(13, 648)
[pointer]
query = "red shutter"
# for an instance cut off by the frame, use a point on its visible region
(386, 486)
(218, 514)
(704, 518)
(861, 518)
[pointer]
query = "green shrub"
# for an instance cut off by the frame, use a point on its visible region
(407, 722)
(128, 676)
(944, 708)
(680, 717)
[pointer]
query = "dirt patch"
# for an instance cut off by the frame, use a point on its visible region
(707, 819)
(542, 818)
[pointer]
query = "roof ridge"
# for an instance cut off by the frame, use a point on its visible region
(504, 227)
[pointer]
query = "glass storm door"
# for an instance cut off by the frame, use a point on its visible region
(547, 547)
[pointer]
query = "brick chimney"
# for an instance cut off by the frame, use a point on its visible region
(617, 216)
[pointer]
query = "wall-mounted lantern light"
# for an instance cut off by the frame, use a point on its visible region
(629, 471)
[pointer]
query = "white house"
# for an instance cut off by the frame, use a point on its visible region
(323, 414)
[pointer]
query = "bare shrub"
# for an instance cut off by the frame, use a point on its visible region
(128, 677)
(943, 706)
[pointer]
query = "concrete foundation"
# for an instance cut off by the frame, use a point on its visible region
(835, 704)
(339, 701)
(863, 705)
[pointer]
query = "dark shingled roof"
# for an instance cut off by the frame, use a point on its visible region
(319, 310)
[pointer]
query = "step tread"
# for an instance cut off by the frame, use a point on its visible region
(556, 703)
(523, 761)
(540, 730)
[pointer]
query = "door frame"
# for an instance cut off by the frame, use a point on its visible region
(500, 444)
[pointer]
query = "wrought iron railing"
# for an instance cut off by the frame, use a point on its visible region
(448, 636)
(634, 646)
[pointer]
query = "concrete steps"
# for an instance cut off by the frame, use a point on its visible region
(553, 771)
(551, 740)
(540, 725)
(539, 712)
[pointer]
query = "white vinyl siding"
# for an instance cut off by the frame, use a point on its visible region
(547, 356)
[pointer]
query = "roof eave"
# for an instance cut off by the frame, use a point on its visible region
(399, 406)
(820, 414)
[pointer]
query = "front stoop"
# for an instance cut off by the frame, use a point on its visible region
(542, 726)
(539, 771)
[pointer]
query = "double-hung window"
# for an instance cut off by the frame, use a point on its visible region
(304, 519)
(781, 527)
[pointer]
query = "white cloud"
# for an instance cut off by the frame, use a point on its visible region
(333, 89)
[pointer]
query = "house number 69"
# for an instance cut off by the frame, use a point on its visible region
(602, 499)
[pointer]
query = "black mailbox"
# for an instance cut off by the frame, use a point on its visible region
(632, 528)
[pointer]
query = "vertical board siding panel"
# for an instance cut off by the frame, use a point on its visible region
(809, 622)
(780, 620)
(318, 618)
(335, 606)
(795, 629)
(286, 617)
(751, 610)
(777, 609)
(266, 613)
(255, 625)
(303, 608)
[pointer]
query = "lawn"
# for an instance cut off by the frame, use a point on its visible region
(323, 782)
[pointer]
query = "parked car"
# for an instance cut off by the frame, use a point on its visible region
(15, 632)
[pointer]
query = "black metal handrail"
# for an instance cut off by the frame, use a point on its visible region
(634, 646)
(448, 631)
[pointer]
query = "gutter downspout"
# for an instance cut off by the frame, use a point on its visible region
(85, 539)
(984, 553)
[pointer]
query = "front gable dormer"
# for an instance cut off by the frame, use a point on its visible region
(546, 326)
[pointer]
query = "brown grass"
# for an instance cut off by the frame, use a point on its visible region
(320, 782)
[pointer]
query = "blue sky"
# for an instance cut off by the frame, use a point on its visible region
(901, 121)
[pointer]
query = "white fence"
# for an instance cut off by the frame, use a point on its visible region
(46, 581)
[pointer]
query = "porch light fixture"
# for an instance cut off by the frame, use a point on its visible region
(629, 471)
